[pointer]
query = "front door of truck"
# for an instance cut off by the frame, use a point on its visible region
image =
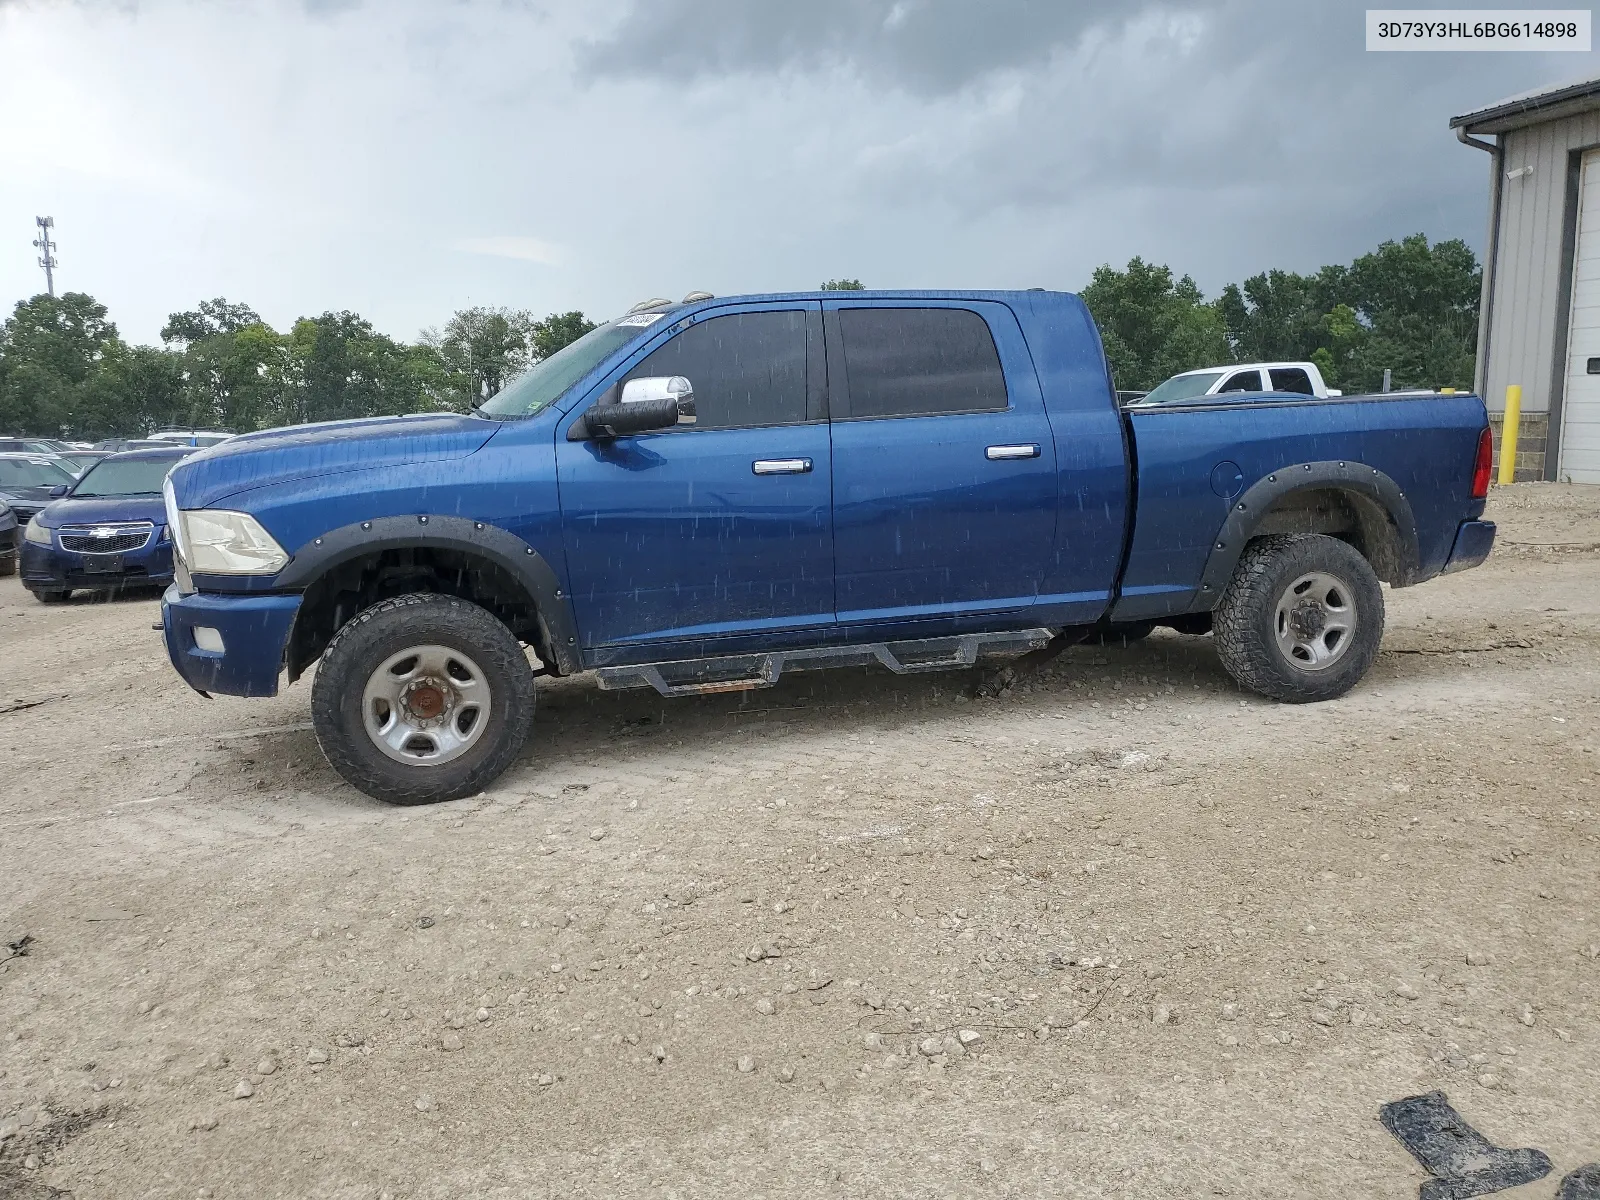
(717, 528)
(944, 467)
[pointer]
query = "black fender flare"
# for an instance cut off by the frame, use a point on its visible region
(1248, 510)
(525, 564)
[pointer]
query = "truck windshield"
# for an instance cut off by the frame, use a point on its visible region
(1181, 387)
(548, 380)
(125, 477)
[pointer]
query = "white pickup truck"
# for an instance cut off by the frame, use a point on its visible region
(1300, 377)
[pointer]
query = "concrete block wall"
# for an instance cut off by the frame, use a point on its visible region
(1533, 433)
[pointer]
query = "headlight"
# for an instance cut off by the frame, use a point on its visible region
(35, 532)
(227, 543)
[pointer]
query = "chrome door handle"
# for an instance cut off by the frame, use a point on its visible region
(781, 466)
(1027, 450)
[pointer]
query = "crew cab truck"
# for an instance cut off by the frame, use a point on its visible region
(698, 497)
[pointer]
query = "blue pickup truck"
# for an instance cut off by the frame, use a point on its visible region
(696, 497)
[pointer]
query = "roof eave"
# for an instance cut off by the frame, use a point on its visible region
(1517, 114)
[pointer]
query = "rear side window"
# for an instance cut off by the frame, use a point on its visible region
(913, 362)
(1292, 379)
(1244, 381)
(747, 369)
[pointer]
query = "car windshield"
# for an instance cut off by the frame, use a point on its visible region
(80, 462)
(1181, 387)
(548, 380)
(32, 472)
(124, 477)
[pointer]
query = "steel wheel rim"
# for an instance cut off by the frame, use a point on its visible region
(1315, 621)
(426, 705)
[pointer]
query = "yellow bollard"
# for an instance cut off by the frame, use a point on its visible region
(1508, 434)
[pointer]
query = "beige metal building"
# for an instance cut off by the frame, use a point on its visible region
(1540, 321)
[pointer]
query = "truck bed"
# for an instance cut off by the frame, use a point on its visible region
(1194, 465)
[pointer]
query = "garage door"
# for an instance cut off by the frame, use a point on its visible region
(1580, 409)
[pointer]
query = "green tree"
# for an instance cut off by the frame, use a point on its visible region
(1409, 307)
(238, 379)
(1419, 304)
(555, 331)
(1152, 325)
(342, 368)
(135, 390)
(483, 349)
(842, 285)
(49, 347)
(208, 319)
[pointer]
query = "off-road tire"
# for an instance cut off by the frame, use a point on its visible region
(1244, 621)
(385, 629)
(51, 595)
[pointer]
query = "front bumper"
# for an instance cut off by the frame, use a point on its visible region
(1474, 540)
(52, 567)
(254, 629)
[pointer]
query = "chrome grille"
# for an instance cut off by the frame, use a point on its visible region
(106, 539)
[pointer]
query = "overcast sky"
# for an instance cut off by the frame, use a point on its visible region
(404, 158)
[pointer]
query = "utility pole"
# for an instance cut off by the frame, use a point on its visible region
(47, 258)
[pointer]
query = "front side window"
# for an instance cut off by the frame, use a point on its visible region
(910, 362)
(747, 369)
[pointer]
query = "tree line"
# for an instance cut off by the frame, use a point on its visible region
(65, 371)
(1409, 307)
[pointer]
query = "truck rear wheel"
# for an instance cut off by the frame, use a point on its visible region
(422, 698)
(1301, 619)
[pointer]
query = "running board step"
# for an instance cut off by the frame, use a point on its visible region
(743, 672)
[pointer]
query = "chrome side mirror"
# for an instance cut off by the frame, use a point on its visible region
(644, 405)
(662, 387)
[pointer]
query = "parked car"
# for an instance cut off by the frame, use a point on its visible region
(8, 540)
(1297, 378)
(696, 497)
(191, 437)
(27, 481)
(107, 532)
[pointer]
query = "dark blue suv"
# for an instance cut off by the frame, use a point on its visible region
(106, 532)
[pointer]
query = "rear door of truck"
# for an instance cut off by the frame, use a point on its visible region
(944, 467)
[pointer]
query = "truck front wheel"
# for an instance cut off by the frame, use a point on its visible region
(1301, 619)
(422, 698)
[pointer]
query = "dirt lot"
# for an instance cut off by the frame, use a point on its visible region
(700, 947)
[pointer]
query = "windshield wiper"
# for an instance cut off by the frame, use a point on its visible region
(478, 410)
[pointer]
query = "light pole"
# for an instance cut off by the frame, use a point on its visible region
(47, 258)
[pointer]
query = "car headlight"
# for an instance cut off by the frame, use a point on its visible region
(217, 542)
(35, 532)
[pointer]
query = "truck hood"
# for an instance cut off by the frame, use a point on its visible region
(255, 460)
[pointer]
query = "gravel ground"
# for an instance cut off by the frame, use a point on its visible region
(1124, 931)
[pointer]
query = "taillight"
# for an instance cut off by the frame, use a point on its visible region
(1485, 464)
